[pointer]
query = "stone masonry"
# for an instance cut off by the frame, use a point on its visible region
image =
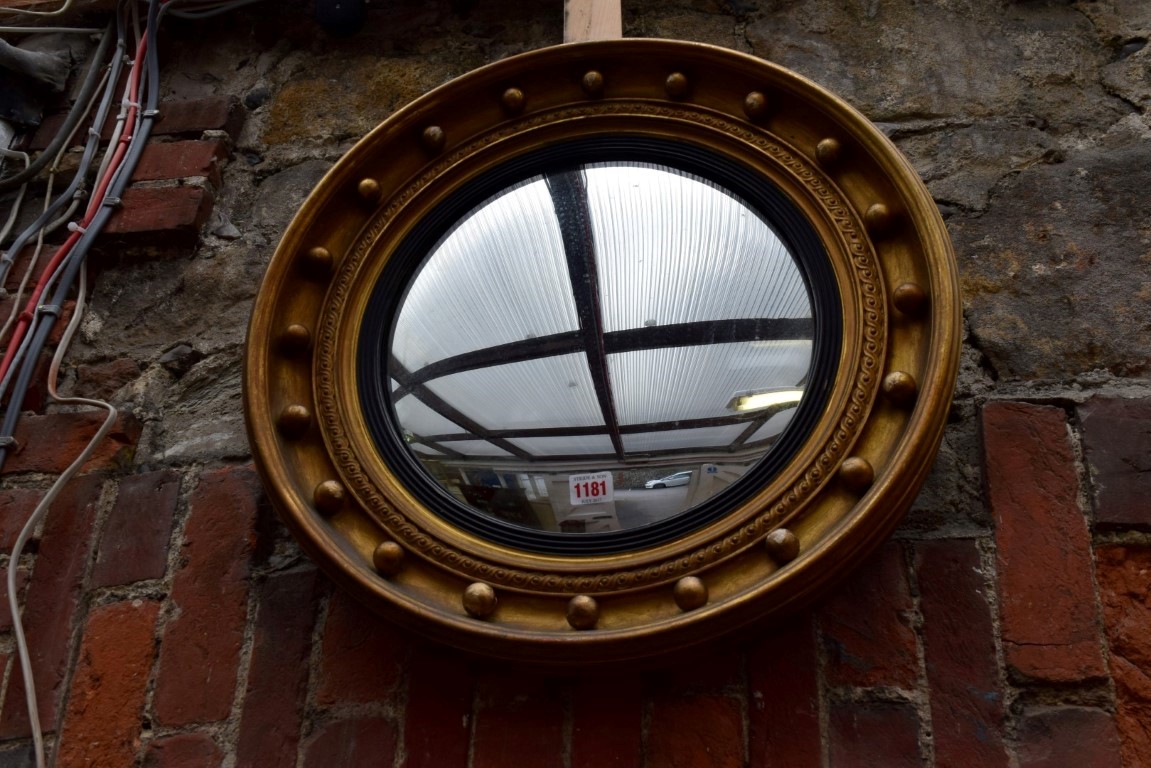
(175, 623)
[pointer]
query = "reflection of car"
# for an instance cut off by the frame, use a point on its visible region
(679, 478)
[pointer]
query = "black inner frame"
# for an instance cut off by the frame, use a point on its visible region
(374, 363)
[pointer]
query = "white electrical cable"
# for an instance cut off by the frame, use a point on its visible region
(42, 14)
(42, 508)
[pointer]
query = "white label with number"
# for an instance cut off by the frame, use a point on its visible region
(595, 488)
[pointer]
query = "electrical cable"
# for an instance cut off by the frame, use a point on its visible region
(100, 209)
(50, 31)
(76, 187)
(51, 226)
(68, 263)
(70, 122)
(58, 12)
(38, 514)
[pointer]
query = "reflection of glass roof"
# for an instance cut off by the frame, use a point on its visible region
(601, 312)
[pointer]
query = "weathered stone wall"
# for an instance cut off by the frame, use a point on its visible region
(176, 624)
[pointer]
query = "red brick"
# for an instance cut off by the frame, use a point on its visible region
(180, 159)
(867, 626)
(1132, 710)
(184, 750)
(959, 648)
(700, 731)
(102, 725)
(50, 443)
(1046, 596)
(188, 117)
(193, 116)
(16, 506)
(438, 709)
(53, 598)
(5, 605)
(278, 675)
(20, 266)
(1117, 444)
(174, 211)
(102, 380)
(360, 657)
(722, 668)
(783, 706)
(134, 545)
(1124, 575)
(200, 648)
(520, 721)
(607, 722)
(367, 743)
(1069, 736)
(873, 734)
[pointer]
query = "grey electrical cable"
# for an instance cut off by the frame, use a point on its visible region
(78, 180)
(21, 351)
(48, 228)
(70, 122)
(50, 31)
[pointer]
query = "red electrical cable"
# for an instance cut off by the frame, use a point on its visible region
(97, 199)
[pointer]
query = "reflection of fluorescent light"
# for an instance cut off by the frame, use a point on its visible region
(754, 401)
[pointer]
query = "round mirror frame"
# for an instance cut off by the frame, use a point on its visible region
(845, 488)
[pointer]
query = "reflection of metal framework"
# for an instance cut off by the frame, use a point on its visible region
(579, 214)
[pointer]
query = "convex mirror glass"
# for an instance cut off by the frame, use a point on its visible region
(600, 348)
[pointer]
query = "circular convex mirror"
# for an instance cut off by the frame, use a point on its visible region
(616, 348)
(603, 350)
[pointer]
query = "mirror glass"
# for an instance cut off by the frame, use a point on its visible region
(600, 348)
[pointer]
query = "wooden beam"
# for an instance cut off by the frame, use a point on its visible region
(586, 20)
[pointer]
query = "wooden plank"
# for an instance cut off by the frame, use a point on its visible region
(592, 20)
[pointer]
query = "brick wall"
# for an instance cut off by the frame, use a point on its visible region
(174, 623)
(1008, 623)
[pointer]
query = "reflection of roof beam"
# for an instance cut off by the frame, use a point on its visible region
(608, 460)
(628, 429)
(449, 452)
(696, 334)
(705, 332)
(516, 352)
(746, 434)
(569, 197)
(443, 408)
